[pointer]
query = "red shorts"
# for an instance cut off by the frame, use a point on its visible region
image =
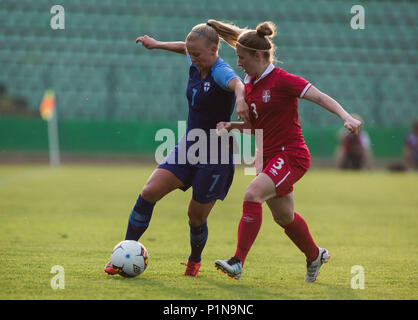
(286, 168)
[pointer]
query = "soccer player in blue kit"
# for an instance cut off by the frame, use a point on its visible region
(212, 91)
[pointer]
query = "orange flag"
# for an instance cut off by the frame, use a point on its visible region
(47, 107)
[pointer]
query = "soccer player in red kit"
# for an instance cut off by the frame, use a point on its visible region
(272, 95)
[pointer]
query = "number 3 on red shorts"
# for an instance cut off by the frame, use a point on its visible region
(278, 165)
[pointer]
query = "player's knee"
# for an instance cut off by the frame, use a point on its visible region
(195, 218)
(252, 194)
(150, 193)
(283, 218)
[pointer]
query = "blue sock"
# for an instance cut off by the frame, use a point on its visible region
(139, 219)
(198, 237)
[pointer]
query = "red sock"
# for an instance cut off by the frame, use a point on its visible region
(248, 228)
(298, 232)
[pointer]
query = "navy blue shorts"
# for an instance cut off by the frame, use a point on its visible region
(209, 181)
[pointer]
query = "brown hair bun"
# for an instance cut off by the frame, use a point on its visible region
(266, 29)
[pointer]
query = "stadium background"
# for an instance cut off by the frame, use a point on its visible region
(112, 95)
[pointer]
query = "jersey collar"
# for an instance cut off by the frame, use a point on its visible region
(266, 72)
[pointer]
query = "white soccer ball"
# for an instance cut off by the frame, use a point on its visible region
(131, 257)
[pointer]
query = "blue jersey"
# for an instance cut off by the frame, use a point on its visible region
(210, 99)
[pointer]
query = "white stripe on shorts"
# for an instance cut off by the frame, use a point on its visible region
(282, 179)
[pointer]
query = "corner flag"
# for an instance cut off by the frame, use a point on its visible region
(47, 107)
(48, 113)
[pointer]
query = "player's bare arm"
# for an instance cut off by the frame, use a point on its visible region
(228, 126)
(242, 108)
(328, 103)
(150, 43)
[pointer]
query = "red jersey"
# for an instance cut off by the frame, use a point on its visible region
(273, 102)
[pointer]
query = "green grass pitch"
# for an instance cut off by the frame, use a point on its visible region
(73, 216)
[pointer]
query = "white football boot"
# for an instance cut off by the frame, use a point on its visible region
(314, 266)
(232, 267)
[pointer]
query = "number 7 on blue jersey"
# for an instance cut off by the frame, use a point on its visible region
(194, 90)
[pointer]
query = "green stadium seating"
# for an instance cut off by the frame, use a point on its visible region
(98, 71)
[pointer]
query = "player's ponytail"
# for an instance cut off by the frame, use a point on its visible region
(227, 31)
(251, 40)
(214, 30)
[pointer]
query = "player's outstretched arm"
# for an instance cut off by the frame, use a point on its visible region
(151, 43)
(314, 95)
